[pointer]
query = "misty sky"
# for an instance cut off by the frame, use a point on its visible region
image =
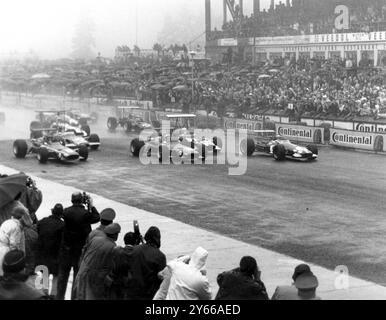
(47, 26)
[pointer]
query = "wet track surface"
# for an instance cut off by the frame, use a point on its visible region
(330, 212)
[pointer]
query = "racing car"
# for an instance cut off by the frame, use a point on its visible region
(50, 146)
(60, 121)
(182, 141)
(129, 120)
(267, 141)
(83, 118)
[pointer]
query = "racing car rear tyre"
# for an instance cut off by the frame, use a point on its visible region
(86, 128)
(313, 148)
(94, 138)
(279, 152)
(248, 147)
(83, 152)
(136, 146)
(112, 123)
(20, 149)
(43, 155)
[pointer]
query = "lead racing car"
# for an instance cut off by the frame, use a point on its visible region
(50, 146)
(181, 143)
(266, 141)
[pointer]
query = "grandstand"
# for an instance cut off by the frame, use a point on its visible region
(351, 30)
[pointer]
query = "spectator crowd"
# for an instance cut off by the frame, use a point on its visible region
(102, 270)
(304, 17)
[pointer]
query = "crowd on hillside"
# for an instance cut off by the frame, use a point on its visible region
(300, 18)
(319, 88)
(103, 270)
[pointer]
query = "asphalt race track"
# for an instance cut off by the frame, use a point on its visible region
(329, 212)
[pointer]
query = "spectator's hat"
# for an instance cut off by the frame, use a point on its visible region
(108, 214)
(14, 261)
(113, 229)
(299, 270)
(306, 281)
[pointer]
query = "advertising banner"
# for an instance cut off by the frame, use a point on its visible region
(370, 127)
(300, 133)
(357, 140)
(231, 123)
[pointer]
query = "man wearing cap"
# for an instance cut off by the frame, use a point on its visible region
(92, 280)
(77, 227)
(303, 287)
(13, 283)
(50, 232)
(107, 218)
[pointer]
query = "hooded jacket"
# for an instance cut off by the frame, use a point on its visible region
(187, 280)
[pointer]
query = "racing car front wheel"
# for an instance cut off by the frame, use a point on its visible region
(20, 149)
(247, 147)
(83, 152)
(43, 155)
(94, 138)
(313, 148)
(279, 152)
(136, 146)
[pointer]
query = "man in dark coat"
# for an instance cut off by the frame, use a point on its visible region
(121, 273)
(13, 284)
(50, 231)
(91, 281)
(148, 261)
(242, 283)
(77, 227)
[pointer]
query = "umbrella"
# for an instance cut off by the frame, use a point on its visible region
(11, 187)
(180, 88)
(158, 86)
(41, 76)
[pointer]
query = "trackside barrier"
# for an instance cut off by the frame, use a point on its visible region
(301, 133)
(358, 140)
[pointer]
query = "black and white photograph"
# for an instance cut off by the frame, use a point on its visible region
(207, 152)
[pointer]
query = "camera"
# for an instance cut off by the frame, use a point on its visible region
(137, 233)
(86, 199)
(30, 183)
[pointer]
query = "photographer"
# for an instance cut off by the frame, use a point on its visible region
(77, 226)
(32, 199)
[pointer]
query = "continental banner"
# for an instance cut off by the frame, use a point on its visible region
(358, 140)
(300, 133)
(231, 123)
(370, 127)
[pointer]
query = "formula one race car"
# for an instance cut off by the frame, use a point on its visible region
(182, 141)
(50, 146)
(267, 141)
(45, 119)
(60, 121)
(83, 118)
(129, 118)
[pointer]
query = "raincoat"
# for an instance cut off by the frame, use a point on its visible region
(189, 281)
(90, 282)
